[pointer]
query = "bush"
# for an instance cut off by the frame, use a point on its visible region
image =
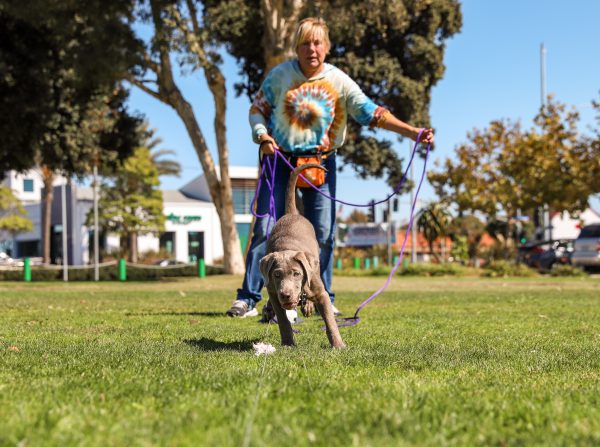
(567, 270)
(446, 269)
(109, 273)
(505, 268)
(426, 269)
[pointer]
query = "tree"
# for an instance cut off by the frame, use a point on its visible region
(55, 57)
(393, 49)
(100, 132)
(503, 170)
(12, 214)
(131, 201)
(432, 222)
(357, 216)
(178, 32)
(164, 166)
(60, 104)
(471, 229)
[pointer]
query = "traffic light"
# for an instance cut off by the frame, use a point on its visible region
(371, 213)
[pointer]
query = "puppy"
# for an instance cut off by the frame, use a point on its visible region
(291, 269)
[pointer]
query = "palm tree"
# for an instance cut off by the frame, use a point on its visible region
(164, 166)
(433, 221)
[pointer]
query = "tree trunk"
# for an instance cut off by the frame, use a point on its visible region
(432, 250)
(280, 21)
(133, 248)
(124, 244)
(47, 199)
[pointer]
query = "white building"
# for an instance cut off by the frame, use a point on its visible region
(566, 227)
(192, 228)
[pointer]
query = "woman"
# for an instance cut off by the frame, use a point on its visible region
(301, 109)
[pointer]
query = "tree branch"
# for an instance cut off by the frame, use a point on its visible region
(140, 84)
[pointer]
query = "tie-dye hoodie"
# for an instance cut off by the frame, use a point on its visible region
(309, 115)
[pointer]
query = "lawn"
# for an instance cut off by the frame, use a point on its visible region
(444, 361)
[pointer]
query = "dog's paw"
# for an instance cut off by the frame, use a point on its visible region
(308, 308)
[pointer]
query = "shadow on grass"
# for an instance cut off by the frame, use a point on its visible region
(176, 314)
(207, 344)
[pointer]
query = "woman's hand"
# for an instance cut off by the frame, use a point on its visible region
(406, 130)
(426, 137)
(267, 144)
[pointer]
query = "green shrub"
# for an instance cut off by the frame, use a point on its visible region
(505, 268)
(446, 269)
(426, 269)
(567, 270)
(109, 273)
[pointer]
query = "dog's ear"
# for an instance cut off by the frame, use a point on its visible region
(307, 262)
(266, 264)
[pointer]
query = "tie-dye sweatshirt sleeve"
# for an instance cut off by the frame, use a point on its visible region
(310, 115)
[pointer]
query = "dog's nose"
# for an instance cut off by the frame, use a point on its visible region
(285, 296)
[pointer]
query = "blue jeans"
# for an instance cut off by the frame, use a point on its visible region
(319, 210)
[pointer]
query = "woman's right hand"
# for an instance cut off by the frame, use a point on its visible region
(267, 144)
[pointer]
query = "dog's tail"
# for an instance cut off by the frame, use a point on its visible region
(290, 197)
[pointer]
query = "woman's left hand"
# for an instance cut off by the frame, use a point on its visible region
(426, 136)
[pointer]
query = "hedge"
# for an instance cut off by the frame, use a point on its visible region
(110, 273)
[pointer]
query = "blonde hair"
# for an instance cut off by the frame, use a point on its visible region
(312, 27)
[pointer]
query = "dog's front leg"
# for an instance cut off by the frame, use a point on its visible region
(285, 327)
(333, 333)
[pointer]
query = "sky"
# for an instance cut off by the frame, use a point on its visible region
(492, 72)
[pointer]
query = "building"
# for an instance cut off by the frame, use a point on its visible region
(564, 226)
(192, 228)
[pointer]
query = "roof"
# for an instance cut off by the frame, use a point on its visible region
(176, 196)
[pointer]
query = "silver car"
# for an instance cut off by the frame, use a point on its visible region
(586, 251)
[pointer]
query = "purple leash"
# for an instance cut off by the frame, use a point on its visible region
(271, 165)
(352, 321)
(393, 193)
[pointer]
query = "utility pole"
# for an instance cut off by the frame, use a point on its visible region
(65, 254)
(96, 235)
(547, 231)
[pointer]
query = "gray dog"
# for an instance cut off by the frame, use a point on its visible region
(291, 269)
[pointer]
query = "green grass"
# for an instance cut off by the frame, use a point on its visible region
(435, 361)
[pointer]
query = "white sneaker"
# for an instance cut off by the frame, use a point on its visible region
(240, 309)
(336, 311)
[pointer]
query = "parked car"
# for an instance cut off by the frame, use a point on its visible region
(586, 252)
(544, 255)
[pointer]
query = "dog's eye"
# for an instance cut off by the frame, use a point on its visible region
(296, 274)
(277, 274)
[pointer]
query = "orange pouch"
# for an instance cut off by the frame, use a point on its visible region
(315, 176)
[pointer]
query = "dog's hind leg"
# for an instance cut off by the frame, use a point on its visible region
(333, 333)
(285, 327)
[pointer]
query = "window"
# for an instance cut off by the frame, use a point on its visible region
(167, 242)
(27, 185)
(195, 245)
(26, 249)
(590, 231)
(242, 199)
